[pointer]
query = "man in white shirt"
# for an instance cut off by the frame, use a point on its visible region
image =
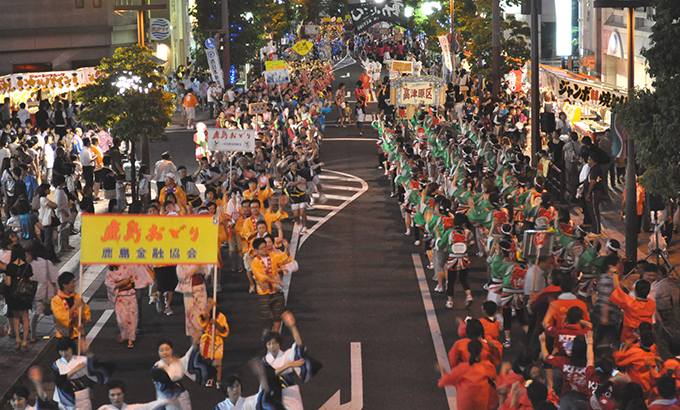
(4, 151)
(162, 168)
(87, 162)
(23, 114)
(116, 391)
(66, 217)
(535, 279)
(214, 95)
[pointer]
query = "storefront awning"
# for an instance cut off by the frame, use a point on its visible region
(57, 82)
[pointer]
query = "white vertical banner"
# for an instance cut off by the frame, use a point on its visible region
(563, 27)
(215, 66)
(446, 51)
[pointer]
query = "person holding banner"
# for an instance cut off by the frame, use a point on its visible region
(120, 285)
(65, 308)
(191, 284)
(218, 327)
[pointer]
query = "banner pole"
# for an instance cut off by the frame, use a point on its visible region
(80, 308)
(280, 96)
(214, 312)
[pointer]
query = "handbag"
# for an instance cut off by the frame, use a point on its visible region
(25, 289)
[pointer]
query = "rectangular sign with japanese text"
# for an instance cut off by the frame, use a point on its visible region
(417, 93)
(402, 66)
(275, 65)
(223, 139)
(257, 108)
(148, 240)
(274, 77)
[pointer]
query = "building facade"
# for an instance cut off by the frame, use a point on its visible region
(55, 35)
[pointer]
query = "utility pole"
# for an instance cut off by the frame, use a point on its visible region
(631, 188)
(453, 38)
(226, 66)
(496, 47)
(535, 89)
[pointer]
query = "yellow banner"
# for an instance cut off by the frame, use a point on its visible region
(149, 240)
(302, 47)
(275, 65)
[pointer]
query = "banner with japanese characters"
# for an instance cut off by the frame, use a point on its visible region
(566, 85)
(366, 13)
(223, 139)
(446, 51)
(274, 77)
(417, 91)
(149, 240)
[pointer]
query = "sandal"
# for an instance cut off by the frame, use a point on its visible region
(131, 344)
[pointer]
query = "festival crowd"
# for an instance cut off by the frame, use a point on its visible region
(51, 175)
(462, 177)
(585, 330)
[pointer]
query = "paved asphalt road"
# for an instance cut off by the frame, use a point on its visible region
(356, 284)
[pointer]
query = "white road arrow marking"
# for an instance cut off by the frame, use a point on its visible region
(345, 76)
(357, 402)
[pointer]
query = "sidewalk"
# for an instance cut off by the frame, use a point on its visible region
(15, 363)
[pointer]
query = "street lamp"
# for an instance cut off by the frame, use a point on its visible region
(429, 8)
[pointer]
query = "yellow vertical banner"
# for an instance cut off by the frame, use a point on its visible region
(149, 240)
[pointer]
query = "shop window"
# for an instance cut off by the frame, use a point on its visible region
(80, 4)
(97, 4)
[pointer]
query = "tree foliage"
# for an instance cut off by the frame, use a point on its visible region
(652, 116)
(472, 20)
(251, 24)
(143, 107)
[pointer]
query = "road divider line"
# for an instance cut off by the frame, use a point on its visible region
(340, 188)
(350, 139)
(338, 197)
(335, 177)
(435, 331)
(335, 210)
(99, 325)
(326, 207)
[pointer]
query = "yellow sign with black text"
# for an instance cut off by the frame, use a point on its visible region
(149, 240)
(302, 47)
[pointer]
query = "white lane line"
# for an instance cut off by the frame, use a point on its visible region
(350, 139)
(435, 331)
(357, 376)
(314, 218)
(296, 241)
(335, 177)
(338, 197)
(364, 188)
(326, 207)
(340, 188)
(99, 325)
